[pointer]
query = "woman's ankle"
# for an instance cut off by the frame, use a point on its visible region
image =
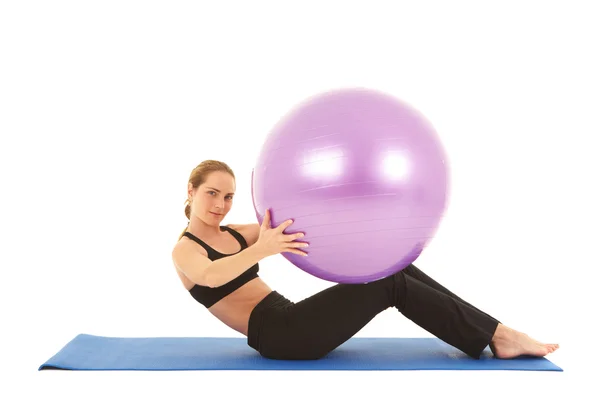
(501, 332)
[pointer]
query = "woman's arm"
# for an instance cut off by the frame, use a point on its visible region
(205, 272)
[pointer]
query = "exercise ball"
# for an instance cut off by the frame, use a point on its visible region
(362, 174)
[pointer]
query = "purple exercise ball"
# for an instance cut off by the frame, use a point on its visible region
(362, 174)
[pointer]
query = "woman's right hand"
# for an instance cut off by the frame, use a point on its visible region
(273, 241)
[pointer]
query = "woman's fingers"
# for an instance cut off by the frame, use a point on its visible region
(291, 237)
(297, 244)
(267, 220)
(284, 225)
(300, 252)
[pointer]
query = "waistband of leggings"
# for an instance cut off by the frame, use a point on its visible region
(255, 321)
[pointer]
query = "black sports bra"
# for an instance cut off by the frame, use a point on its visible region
(208, 296)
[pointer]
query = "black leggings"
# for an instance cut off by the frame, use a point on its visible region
(281, 329)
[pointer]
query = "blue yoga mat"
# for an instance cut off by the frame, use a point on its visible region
(89, 352)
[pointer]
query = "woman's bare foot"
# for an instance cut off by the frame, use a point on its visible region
(509, 343)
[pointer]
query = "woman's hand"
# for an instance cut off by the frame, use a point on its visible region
(273, 241)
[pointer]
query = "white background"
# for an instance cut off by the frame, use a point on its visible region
(107, 106)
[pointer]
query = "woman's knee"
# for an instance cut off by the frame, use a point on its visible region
(398, 291)
(394, 287)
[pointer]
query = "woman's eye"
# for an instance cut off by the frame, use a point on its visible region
(212, 192)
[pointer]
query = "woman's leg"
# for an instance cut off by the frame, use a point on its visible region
(318, 324)
(419, 275)
(313, 327)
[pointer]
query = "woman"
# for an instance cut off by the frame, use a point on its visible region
(218, 266)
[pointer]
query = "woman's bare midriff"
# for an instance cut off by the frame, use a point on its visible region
(234, 309)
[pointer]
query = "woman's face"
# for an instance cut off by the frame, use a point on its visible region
(212, 200)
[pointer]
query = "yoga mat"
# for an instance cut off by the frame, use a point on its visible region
(89, 352)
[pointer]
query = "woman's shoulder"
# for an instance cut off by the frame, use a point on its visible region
(185, 245)
(250, 232)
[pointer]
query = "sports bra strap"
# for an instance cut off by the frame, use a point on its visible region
(238, 236)
(212, 251)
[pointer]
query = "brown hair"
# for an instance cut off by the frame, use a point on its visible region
(199, 175)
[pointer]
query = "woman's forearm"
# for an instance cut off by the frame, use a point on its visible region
(228, 268)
